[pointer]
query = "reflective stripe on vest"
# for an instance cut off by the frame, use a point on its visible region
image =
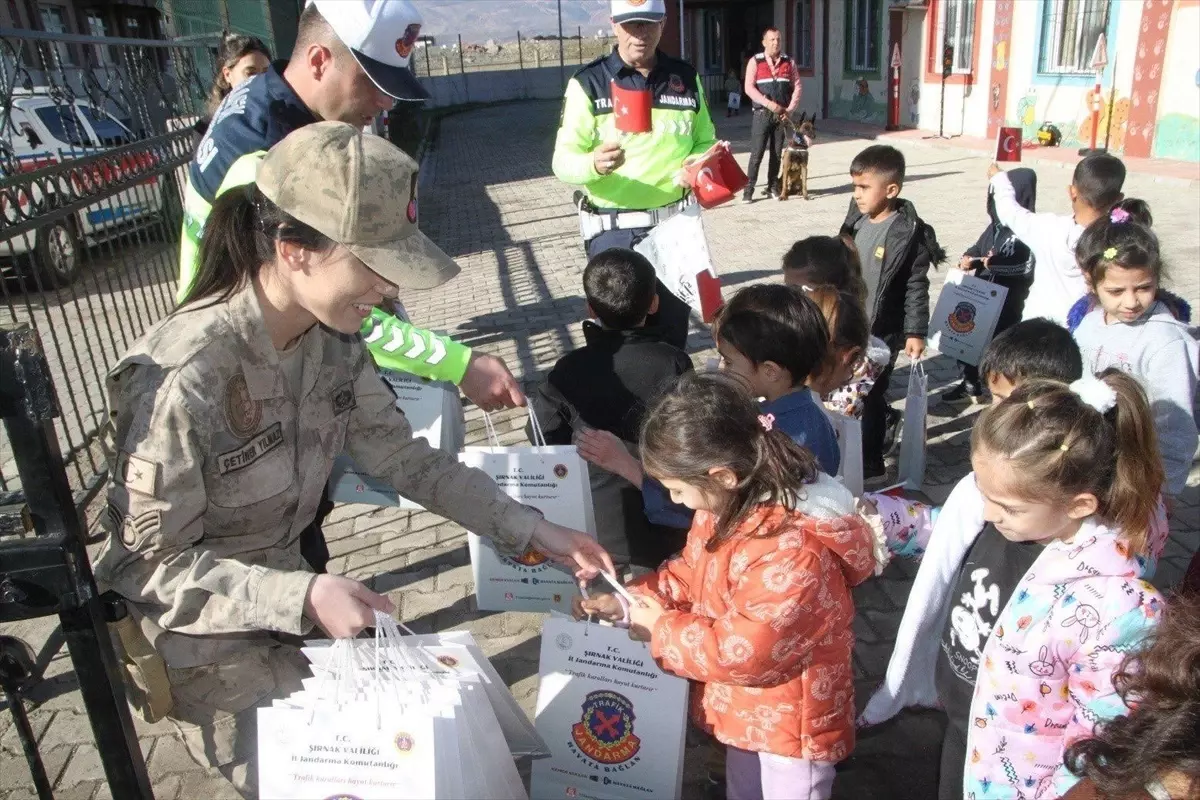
(776, 85)
(195, 214)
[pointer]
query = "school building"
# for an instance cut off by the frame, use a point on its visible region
(1012, 62)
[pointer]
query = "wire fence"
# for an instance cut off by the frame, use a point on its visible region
(452, 56)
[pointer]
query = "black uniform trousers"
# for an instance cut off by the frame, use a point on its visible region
(766, 133)
(673, 314)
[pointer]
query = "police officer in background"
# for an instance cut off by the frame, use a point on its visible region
(629, 181)
(774, 86)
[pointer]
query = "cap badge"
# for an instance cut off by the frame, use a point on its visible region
(636, 3)
(404, 45)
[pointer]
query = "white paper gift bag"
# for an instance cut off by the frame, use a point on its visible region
(386, 718)
(434, 411)
(965, 317)
(553, 479)
(456, 654)
(678, 249)
(912, 438)
(614, 721)
(849, 436)
(302, 756)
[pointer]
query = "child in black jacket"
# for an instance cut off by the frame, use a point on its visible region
(896, 248)
(999, 256)
(607, 385)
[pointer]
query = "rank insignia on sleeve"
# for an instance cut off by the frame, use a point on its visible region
(131, 529)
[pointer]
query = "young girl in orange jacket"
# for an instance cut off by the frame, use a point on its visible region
(757, 609)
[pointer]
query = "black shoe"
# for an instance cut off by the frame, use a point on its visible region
(891, 430)
(964, 393)
(770, 191)
(747, 198)
(873, 469)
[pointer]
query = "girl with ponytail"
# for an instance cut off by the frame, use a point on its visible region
(1029, 594)
(757, 608)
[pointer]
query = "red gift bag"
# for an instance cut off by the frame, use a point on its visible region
(631, 109)
(1008, 145)
(716, 177)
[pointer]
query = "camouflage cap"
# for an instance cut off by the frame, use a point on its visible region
(360, 191)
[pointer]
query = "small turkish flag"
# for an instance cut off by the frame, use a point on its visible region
(1008, 145)
(631, 109)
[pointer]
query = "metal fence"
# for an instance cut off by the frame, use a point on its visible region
(91, 150)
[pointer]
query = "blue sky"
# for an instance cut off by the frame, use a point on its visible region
(479, 20)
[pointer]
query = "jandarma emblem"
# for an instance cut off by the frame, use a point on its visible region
(605, 731)
(962, 318)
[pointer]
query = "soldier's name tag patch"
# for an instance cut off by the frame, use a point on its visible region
(879, 252)
(343, 398)
(131, 529)
(259, 445)
(136, 473)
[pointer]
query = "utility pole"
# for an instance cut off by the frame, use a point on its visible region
(562, 56)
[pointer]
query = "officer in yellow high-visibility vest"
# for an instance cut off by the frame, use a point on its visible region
(629, 181)
(348, 64)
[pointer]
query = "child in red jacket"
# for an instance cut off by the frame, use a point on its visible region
(757, 609)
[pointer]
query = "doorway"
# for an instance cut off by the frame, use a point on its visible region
(745, 29)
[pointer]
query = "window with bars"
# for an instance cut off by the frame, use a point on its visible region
(863, 33)
(802, 23)
(958, 31)
(1070, 30)
(54, 20)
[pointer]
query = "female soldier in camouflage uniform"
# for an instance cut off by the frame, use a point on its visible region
(226, 417)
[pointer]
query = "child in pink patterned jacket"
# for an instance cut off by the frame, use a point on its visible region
(1029, 592)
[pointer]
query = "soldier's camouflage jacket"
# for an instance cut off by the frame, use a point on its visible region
(216, 471)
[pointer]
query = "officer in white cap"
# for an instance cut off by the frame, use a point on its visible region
(350, 62)
(629, 180)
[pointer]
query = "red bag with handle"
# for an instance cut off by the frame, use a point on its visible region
(715, 177)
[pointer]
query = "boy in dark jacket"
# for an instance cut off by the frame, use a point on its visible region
(999, 256)
(607, 385)
(896, 248)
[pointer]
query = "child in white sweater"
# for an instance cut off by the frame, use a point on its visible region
(1057, 281)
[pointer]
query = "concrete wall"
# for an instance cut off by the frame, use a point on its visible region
(855, 96)
(1035, 98)
(1154, 64)
(497, 86)
(966, 96)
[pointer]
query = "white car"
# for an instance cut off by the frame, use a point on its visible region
(41, 132)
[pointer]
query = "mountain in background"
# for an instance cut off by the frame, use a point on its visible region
(480, 20)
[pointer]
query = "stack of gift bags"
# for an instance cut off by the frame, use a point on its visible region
(395, 717)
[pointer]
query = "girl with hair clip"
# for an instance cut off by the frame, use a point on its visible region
(1153, 752)
(757, 609)
(1128, 321)
(1029, 592)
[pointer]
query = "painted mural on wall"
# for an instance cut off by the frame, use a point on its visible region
(914, 103)
(1076, 132)
(1177, 136)
(861, 106)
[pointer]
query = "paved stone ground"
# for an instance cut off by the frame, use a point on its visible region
(489, 199)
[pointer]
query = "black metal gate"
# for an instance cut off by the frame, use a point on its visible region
(94, 136)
